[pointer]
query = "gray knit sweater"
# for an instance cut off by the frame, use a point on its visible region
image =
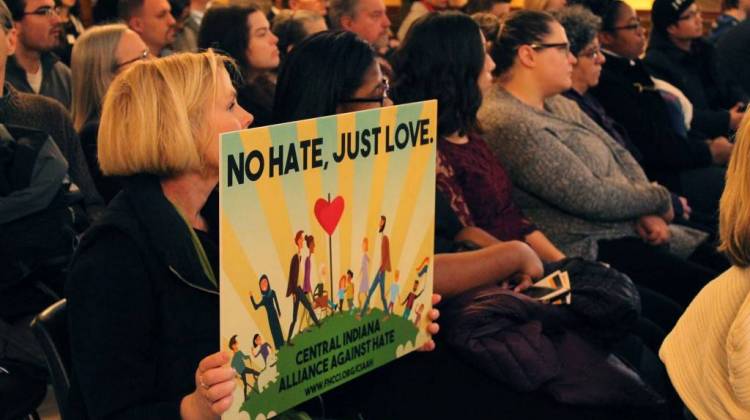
(570, 177)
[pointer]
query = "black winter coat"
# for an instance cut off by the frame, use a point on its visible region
(733, 52)
(697, 75)
(627, 93)
(142, 313)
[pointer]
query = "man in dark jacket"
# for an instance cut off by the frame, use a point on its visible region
(677, 54)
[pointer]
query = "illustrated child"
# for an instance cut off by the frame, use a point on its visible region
(364, 273)
(264, 349)
(410, 298)
(419, 311)
(342, 292)
(238, 363)
(350, 289)
(269, 301)
(295, 284)
(395, 288)
(385, 267)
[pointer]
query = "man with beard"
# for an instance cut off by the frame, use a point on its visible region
(34, 68)
(152, 20)
(366, 18)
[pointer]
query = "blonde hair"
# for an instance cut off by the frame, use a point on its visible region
(93, 64)
(153, 115)
(734, 207)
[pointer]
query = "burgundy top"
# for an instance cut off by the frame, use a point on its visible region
(479, 180)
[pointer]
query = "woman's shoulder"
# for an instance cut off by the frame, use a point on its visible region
(503, 113)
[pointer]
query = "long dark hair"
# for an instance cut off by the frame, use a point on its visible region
(319, 73)
(226, 29)
(441, 57)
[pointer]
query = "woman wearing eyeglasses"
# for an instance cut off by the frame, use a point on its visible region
(581, 187)
(335, 72)
(685, 162)
(457, 71)
(581, 27)
(98, 56)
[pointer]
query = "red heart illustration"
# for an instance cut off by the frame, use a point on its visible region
(329, 213)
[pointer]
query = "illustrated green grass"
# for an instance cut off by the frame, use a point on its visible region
(335, 325)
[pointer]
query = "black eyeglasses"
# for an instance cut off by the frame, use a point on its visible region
(384, 84)
(629, 27)
(143, 56)
(592, 53)
(46, 11)
(560, 46)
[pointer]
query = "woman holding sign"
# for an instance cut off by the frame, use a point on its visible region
(143, 301)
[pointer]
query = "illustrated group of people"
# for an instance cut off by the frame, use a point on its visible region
(560, 142)
(300, 289)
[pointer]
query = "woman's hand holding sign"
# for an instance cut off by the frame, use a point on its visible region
(214, 384)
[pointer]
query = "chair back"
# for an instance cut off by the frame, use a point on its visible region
(51, 329)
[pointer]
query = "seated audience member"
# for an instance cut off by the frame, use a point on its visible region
(468, 174)
(47, 115)
(498, 8)
(685, 163)
(490, 26)
(544, 5)
(344, 68)
(292, 27)
(417, 9)
(677, 54)
(152, 20)
(245, 34)
(581, 27)
(455, 73)
(733, 54)
(348, 80)
(733, 12)
(71, 29)
(707, 352)
(124, 294)
(171, 169)
(33, 68)
(186, 40)
(99, 54)
(579, 185)
(366, 18)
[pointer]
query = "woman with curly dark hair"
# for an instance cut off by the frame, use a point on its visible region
(245, 34)
(444, 58)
